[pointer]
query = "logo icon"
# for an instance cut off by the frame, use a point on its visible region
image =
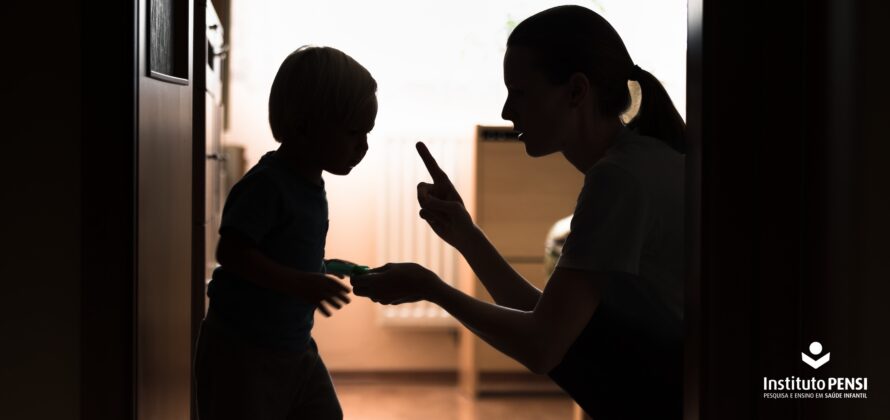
(816, 349)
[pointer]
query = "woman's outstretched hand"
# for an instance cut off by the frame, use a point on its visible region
(440, 203)
(397, 283)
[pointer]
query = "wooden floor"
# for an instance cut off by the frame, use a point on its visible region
(365, 401)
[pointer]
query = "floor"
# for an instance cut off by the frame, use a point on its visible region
(365, 401)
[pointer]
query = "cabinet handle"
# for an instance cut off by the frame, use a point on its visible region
(221, 52)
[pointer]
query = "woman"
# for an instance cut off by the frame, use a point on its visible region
(608, 326)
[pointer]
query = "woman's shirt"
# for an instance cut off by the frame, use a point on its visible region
(628, 224)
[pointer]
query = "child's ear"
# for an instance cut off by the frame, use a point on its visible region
(579, 89)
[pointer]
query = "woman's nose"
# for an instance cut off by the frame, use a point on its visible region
(505, 113)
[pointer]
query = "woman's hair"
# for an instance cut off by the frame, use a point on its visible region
(316, 88)
(572, 39)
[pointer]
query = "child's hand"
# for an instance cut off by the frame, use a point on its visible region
(440, 203)
(343, 268)
(321, 289)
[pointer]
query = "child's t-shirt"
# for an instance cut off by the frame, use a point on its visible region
(287, 217)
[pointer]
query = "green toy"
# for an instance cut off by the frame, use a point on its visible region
(343, 268)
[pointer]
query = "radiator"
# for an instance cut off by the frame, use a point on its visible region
(405, 237)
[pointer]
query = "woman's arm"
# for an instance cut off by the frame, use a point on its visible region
(506, 286)
(538, 338)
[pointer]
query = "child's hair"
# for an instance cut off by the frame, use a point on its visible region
(316, 88)
(570, 39)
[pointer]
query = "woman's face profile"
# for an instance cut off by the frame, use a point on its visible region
(538, 109)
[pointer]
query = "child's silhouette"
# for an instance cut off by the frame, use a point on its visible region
(256, 358)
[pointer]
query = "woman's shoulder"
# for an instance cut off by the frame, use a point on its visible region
(644, 156)
(610, 177)
(631, 144)
(638, 163)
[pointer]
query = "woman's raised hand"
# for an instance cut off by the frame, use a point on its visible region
(440, 203)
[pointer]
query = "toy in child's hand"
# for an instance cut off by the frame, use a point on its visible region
(344, 268)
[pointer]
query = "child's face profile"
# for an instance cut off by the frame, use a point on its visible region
(344, 146)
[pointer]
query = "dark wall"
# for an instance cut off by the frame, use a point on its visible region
(109, 188)
(68, 270)
(786, 109)
(68, 90)
(40, 297)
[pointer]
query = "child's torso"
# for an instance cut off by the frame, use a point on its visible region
(295, 238)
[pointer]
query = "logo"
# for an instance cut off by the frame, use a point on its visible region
(815, 348)
(832, 387)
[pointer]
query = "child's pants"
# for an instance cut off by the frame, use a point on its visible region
(238, 381)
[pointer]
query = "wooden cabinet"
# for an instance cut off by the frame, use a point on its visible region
(517, 200)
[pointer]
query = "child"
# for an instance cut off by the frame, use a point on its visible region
(256, 358)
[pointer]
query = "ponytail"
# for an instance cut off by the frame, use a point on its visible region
(657, 117)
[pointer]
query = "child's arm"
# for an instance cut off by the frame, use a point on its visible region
(241, 255)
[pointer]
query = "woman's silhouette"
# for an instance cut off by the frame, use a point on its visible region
(608, 326)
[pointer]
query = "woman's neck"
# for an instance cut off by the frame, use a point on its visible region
(595, 137)
(296, 159)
